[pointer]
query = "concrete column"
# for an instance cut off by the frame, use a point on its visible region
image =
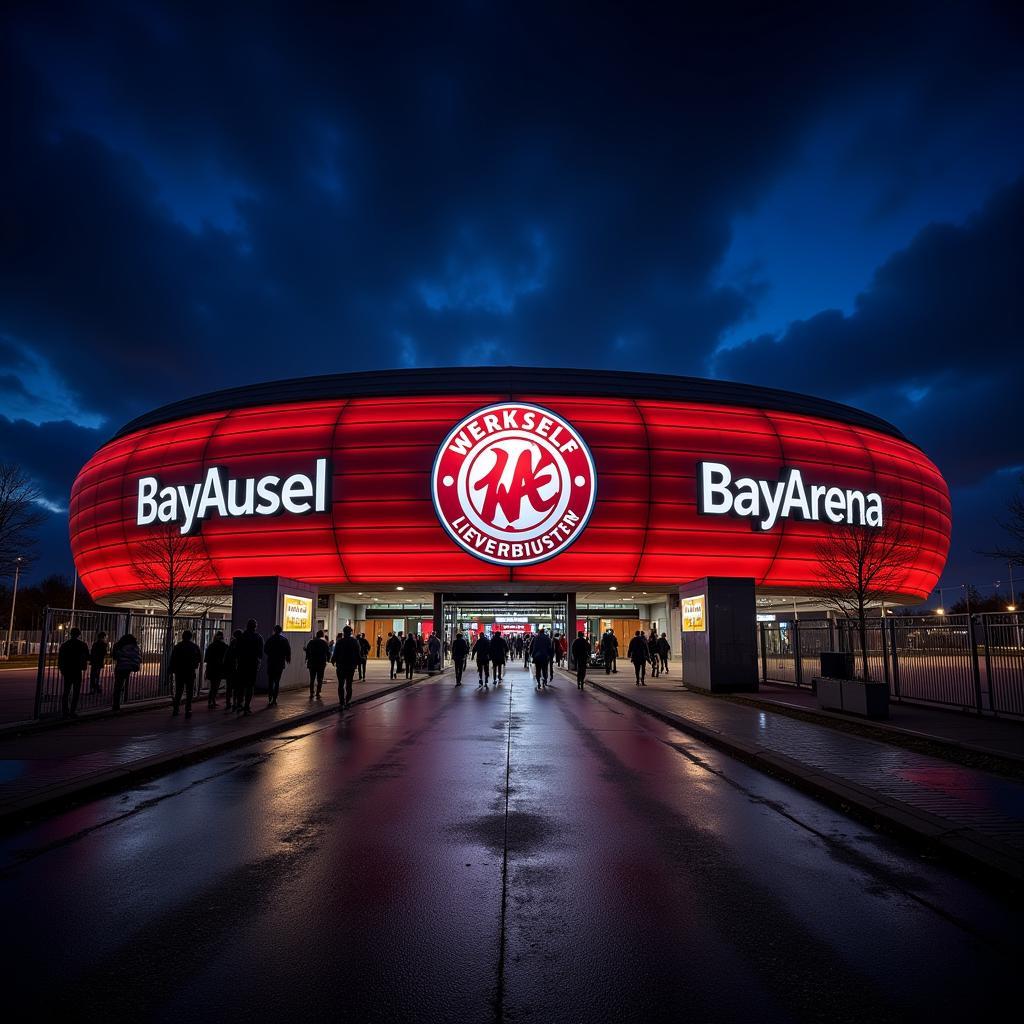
(570, 624)
(721, 656)
(262, 598)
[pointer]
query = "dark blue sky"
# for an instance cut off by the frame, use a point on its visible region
(827, 202)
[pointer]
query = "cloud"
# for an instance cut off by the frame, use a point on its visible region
(935, 343)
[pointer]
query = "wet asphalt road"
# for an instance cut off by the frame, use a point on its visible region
(453, 855)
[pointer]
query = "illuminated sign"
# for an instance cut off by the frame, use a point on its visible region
(371, 520)
(693, 614)
(297, 614)
(766, 616)
(514, 484)
(765, 502)
(268, 495)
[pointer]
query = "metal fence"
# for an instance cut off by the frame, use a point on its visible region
(23, 642)
(156, 635)
(970, 662)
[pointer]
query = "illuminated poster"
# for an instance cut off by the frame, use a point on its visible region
(297, 614)
(693, 614)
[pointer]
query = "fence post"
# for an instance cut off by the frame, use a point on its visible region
(988, 665)
(797, 667)
(974, 662)
(895, 660)
(764, 654)
(37, 708)
(885, 649)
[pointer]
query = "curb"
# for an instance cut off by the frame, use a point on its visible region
(960, 844)
(883, 727)
(116, 779)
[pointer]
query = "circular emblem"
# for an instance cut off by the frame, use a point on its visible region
(514, 483)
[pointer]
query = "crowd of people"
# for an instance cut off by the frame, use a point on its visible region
(235, 663)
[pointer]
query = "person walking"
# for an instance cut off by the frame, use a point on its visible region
(185, 661)
(364, 652)
(652, 648)
(393, 649)
(434, 653)
(72, 659)
(409, 655)
(346, 658)
(460, 655)
(664, 650)
(317, 653)
(127, 659)
(380, 642)
(232, 686)
(214, 659)
(581, 657)
(278, 653)
(543, 655)
(609, 648)
(482, 655)
(250, 656)
(401, 650)
(639, 653)
(499, 655)
(97, 658)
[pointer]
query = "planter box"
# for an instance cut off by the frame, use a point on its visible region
(855, 696)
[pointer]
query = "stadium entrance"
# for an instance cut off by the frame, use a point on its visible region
(473, 615)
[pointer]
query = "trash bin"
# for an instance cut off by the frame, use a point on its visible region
(837, 664)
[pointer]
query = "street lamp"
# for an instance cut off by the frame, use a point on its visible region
(14, 598)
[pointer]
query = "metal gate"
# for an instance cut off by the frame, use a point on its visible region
(156, 635)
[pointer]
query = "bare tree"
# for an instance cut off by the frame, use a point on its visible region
(1013, 551)
(20, 514)
(175, 570)
(859, 566)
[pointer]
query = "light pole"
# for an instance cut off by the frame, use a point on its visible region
(14, 598)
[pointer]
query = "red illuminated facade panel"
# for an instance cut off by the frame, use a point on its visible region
(380, 525)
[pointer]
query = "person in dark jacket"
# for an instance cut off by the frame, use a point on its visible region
(317, 653)
(232, 684)
(185, 661)
(409, 655)
(581, 657)
(250, 655)
(278, 653)
(499, 655)
(460, 654)
(664, 650)
(214, 658)
(364, 652)
(127, 659)
(482, 655)
(652, 647)
(393, 649)
(97, 658)
(346, 657)
(72, 659)
(639, 653)
(543, 654)
(380, 643)
(434, 653)
(610, 649)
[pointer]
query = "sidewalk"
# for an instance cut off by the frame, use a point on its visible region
(982, 734)
(972, 816)
(42, 769)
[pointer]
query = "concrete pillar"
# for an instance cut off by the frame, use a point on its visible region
(263, 598)
(719, 647)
